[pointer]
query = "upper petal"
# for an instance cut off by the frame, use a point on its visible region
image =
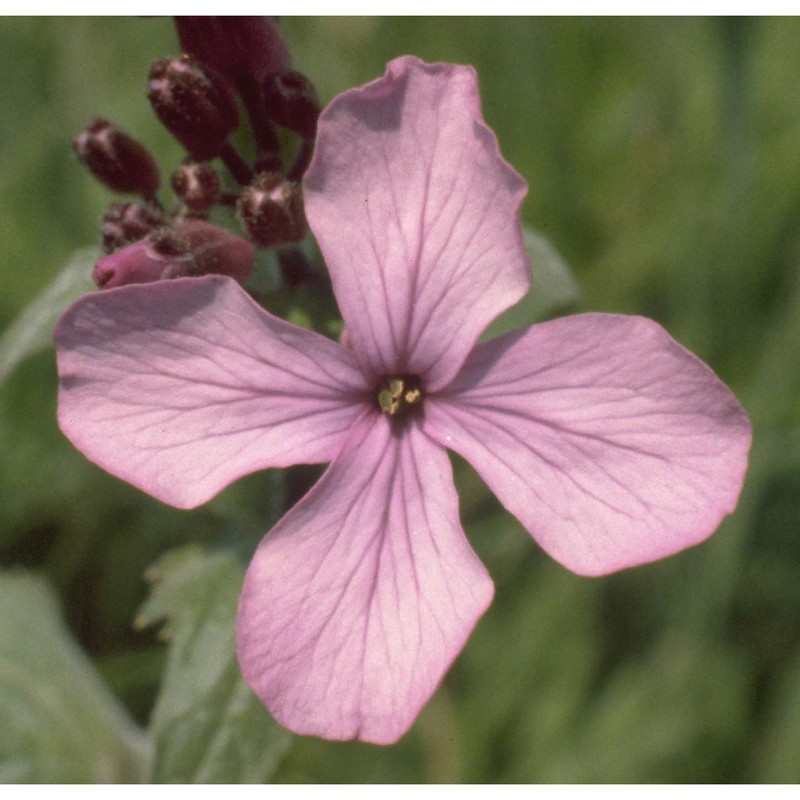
(180, 387)
(358, 600)
(417, 215)
(611, 443)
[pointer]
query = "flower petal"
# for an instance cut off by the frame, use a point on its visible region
(180, 387)
(358, 600)
(611, 443)
(417, 215)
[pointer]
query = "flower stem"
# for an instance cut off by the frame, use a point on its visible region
(236, 164)
(302, 161)
(267, 144)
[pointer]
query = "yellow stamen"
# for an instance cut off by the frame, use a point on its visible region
(398, 395)
(412, 396)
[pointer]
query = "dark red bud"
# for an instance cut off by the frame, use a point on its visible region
(190, 249)
(197, 248)
(197, 185)
(116, 159)
(291, 102)
(126, 223)
(240, 48)
(271, 209)
(194, 105)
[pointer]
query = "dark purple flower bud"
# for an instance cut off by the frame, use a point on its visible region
(116, 159)
(271, 209)
(194, 104)
(191, 249)
(291, 102)
(126, 223)
(197, 185)
(240, 48)
(197, 248)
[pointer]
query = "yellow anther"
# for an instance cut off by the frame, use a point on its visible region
(412, 396)
(388, 402)
(398, 394)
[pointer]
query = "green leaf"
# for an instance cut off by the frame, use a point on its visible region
(32, 330)
(207, 725)
(554, 289)
(61, 724)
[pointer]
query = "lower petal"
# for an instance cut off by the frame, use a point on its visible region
(357, 602)
(611, 443)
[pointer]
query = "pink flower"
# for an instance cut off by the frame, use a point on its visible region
(610, 442)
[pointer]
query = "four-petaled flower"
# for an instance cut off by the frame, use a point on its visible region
(610, 442)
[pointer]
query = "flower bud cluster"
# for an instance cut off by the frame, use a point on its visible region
(228, 64)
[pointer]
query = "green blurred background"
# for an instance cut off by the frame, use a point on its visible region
(663, 157)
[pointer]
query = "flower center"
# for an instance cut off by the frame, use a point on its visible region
(399, 394)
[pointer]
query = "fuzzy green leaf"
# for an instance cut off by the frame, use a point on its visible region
(207, 725)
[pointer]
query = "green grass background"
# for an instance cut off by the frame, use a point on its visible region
(663, 157)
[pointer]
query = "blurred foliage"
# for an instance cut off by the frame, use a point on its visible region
(56, 731)
(32, 330)
(663, 157)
